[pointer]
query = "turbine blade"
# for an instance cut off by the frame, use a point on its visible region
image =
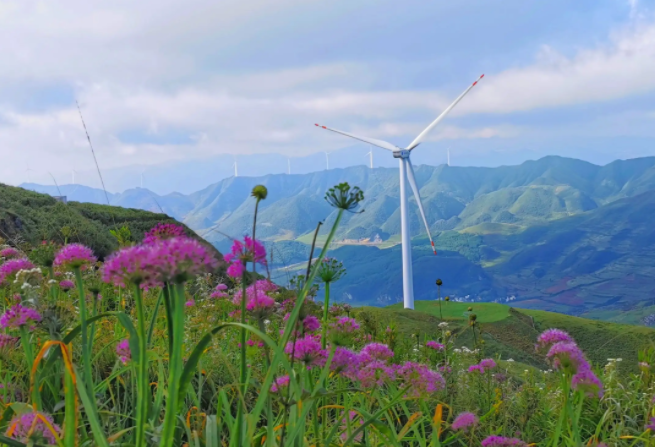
(427, 130)
(374, 142)
(412, 183)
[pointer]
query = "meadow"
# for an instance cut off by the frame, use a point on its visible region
(165, 343)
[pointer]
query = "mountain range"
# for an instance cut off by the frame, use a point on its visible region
(555, 233)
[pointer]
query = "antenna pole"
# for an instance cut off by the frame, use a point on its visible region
(102, 182)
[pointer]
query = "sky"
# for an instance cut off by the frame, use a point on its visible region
(161, 82)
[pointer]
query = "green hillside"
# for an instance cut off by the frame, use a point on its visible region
(30, 217)
(511, 333)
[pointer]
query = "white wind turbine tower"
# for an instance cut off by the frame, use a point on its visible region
(73, 176)
(448, 156)
(370, 154)
(236, 172)
(327, 160)
(407, 174)
(288, 166)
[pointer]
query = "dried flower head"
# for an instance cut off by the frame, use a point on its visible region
(343, 197)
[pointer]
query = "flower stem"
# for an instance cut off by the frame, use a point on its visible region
(142, 371)
(86, 354)
(243, 366)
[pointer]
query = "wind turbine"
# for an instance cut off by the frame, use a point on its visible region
(73, 176)
(407, 174)
(448, 156)
(370, 154)
(289, 166)
(327, 161)
(28, 170)
(236, 173)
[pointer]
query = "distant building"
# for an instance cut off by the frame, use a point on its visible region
(61, 199)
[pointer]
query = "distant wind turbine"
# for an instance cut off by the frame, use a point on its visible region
(236, 172)
(448, 156)
(28, 170)
(289, 166)
(370, 154)
(327, 160)
(73, 176)
(407, 174)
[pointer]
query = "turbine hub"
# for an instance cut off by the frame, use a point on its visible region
(402, 153)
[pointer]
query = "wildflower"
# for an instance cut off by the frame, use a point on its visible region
(651, 425)
(123, 351)
(311, 323)
(434, 345)
(75, 256)
(375, 373)
(375, 352)
(279, 384)
(443, 325)
(243, 252)
(353, 416)
(190, 303)
(345, 325)
(643, 366)
(345, 362)
(9, 252)
(32, 427)
(419, 379)
(18, 316)
(179, 258)
(307, 350)
(163, 231)
(551, 336)
(476, 368)
(7, 341)
(330, 270)
(66, 284)
(586, 381)
(446, 369)
(219, 291)
(488, 363)
(567, 356)
(130, 265)
(465, 421)
(260, 304)
(501, 441)
(343, 198)
(13, 266)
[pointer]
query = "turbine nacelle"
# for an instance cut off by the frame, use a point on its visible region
(402, 153)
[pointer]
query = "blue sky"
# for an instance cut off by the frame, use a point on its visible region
(170, 80)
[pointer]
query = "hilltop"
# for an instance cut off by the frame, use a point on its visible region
(30, 217)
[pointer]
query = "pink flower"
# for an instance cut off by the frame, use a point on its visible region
(7, 341)
(345, 325)
(419, 379)
(279, 384)
(586, 381)
(311, 323)
(307, 350)
(190, 303)
(464, 421)
(375, 373)
(23, 426)
(66, 284)
(235, 270)
(13, 266)
(567, 356)
(221, 287)
(375, 351)
(434, 345)
(488, 363)
(178, 259)
(551, 336)
(75, 256)
(476, 368)
(131, 265)
(242, 253)
(163, 231)
(18, 316)
(123, 351)
(9, 252)
(345, 362)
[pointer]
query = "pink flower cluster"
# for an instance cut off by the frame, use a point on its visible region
(9, 252)
(257, 300)
(18, 316)
(75, 256)
(419, 380)
(169, 260)
(465, 421)
(13, 266)
(279, 384)
(484, 365)
(345, 325)
(219, 292)
(435, 345)
(163, 231)
(66, 284)
(566, 356)
(307, 350)
(123, 351)
(243, 252)
(24, 425)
